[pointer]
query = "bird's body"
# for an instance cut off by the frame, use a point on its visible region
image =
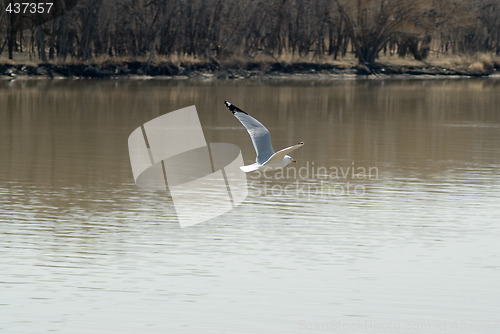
(268, 167)
(266, 158)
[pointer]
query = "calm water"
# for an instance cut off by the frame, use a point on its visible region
(391, 226)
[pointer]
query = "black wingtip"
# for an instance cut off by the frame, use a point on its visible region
(233, 108)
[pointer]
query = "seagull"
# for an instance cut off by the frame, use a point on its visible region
(266, 159)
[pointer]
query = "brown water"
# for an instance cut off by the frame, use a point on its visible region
(388, 223)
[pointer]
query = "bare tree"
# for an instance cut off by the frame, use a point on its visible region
(222, 30)
(372, 24)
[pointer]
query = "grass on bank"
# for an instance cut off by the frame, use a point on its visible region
(476, 62)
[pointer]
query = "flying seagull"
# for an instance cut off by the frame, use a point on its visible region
(266, 159)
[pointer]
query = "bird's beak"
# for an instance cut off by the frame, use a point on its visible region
(294, 160)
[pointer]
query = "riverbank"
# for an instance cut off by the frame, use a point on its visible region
(113, 68)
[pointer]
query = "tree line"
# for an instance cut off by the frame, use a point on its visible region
(222, 30)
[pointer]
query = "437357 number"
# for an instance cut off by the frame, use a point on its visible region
(28, 7)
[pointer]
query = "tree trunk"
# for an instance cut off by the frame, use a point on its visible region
(41, 43)
(10, 40)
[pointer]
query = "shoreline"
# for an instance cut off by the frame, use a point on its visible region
(214, 70)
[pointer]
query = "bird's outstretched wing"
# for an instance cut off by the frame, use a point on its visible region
(278, 156)
(261, 138)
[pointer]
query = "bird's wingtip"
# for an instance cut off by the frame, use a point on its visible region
(233, 108)
(230, 106)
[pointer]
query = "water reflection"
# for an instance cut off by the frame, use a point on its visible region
(83, 248)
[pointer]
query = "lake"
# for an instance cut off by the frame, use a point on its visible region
(388, 222)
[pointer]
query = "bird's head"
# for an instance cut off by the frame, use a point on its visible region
(288, 159)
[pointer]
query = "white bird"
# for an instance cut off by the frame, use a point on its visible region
(266, 159)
